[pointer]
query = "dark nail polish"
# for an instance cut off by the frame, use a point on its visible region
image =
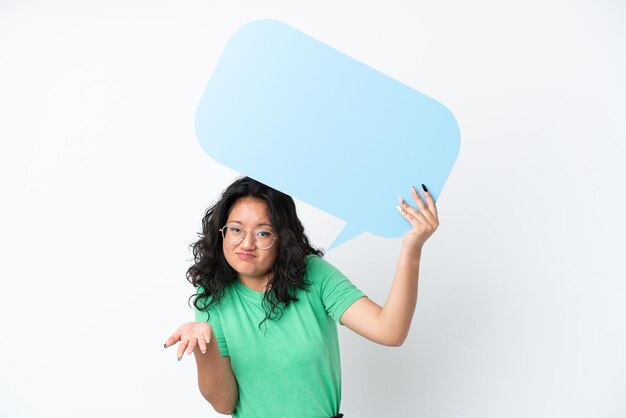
(424, 187)
(179, 358)
(165, 345)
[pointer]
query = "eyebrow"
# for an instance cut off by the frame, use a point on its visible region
(261, 224)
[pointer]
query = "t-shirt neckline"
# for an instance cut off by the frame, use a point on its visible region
(252, 294)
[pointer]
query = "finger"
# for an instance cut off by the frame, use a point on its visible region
(412, 219)
(173, 339)
(191, 346)
(431, 202)
(418, 199)
(202, 344)
(406, 209)
(181, 349)
(425, 209)
(207, 337)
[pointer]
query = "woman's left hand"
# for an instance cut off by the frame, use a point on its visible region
(389, 325)
(424, 220)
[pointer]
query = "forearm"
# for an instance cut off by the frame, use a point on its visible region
(394, 319)
(216, 379)
(390, 324)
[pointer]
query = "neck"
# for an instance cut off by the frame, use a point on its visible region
(258, 284)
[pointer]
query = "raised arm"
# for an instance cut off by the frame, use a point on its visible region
(389, 325)
(216, 380)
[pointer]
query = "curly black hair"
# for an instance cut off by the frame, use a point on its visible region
(212, 273)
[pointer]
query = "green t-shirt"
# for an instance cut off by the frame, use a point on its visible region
(288, 367)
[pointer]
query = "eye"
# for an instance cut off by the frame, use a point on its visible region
(234, 229)
(264, 234)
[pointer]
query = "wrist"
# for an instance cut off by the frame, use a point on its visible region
(412, 246)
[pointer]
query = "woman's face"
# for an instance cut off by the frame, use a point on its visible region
(252, 264)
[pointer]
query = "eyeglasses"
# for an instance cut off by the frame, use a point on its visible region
(234, 235)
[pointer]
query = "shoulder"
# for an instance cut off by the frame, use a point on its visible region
(206, 311)
(319, 272)
(335, 290)
(204, 301)
(316, 266)
(314, 261)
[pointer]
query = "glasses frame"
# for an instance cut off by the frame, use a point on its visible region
(245, 232)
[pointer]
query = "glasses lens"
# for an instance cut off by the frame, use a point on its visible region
(264, 239)
(233, 234)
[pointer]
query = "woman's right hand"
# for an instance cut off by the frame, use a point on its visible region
(190, 335)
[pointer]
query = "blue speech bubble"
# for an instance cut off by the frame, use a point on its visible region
(310, 121)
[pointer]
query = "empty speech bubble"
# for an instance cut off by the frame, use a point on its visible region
(306, 119)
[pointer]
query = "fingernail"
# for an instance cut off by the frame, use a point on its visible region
(179, 358)
(399, 209)
(165, 345)
(203, 351)
(424, 187)
(400, 199)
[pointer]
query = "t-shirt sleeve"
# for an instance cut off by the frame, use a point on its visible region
(335, 289)
(213, 318)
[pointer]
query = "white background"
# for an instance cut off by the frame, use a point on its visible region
(521, 308)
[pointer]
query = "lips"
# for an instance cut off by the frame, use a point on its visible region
(246, 256)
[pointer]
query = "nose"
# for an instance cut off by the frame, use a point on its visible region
(248, 241)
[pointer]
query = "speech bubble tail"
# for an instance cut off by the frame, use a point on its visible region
(349, 231)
